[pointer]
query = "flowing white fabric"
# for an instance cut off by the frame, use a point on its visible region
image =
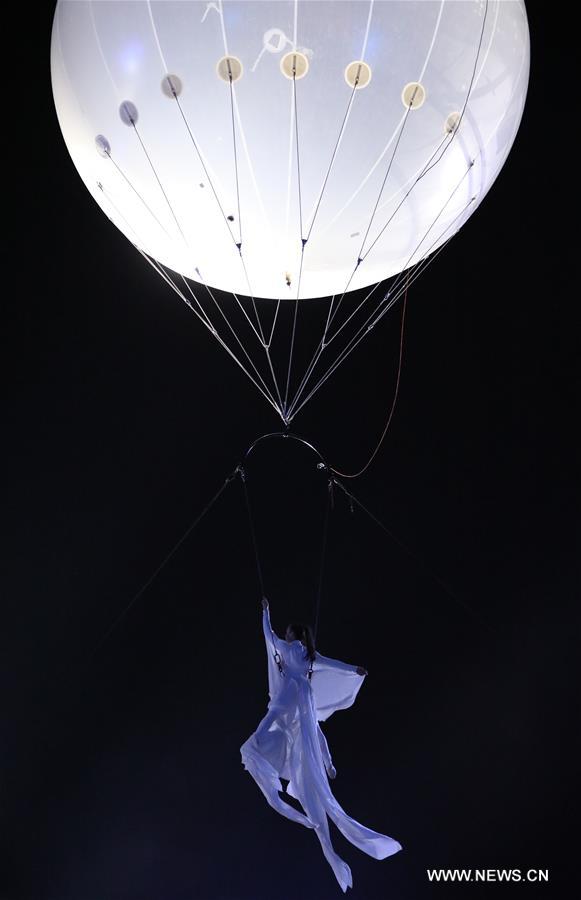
(289, 744)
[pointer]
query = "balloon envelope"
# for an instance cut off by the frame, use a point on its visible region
(405, 111)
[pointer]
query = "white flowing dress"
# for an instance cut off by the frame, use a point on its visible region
(289, 744)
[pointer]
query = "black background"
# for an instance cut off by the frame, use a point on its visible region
(120, 770)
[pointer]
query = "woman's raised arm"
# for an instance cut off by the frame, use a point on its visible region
(269, 634)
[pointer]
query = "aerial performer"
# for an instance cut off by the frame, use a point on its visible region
(306, 688)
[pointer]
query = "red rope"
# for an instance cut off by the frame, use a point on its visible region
(395, 394)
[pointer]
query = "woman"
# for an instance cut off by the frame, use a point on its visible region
(305, 688)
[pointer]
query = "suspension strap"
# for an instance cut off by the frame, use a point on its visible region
(353, 500)
(103, 640)
(240, 471)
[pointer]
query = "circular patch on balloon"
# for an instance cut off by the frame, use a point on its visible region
(413, 95)
(171, 86)
(452, 122)
(128, 113)
(358, 74)
(102, 145)
(229, 68)
(294, 65)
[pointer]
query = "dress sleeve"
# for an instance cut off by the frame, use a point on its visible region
(325, 662)
(334, 684)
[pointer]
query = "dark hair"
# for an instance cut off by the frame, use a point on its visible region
(304, 633)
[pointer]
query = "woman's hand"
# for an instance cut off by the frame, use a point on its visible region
(362, 671)
(264, 603)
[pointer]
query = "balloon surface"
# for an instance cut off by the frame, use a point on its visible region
(277, 147)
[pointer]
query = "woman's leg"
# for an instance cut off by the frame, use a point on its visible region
(265, 725)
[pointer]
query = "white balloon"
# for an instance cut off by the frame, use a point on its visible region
(444, 85)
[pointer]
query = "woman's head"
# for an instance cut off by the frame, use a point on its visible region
(296, 631)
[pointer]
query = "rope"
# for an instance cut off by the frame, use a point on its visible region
(469, 92)
(242, 474)
(242, 347)
(135, 191)
(199, 305)
(388, 170)
(333, 155)
(394, 401)
(303, 242)
(239, 242)
(430, 165)
(352, 499)
(157, 178)
(361, 255)
(202, 163)
(253, 301)
(298, 154)
(293, 334)
(405, 196)
(163, 563)
(235, 155)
